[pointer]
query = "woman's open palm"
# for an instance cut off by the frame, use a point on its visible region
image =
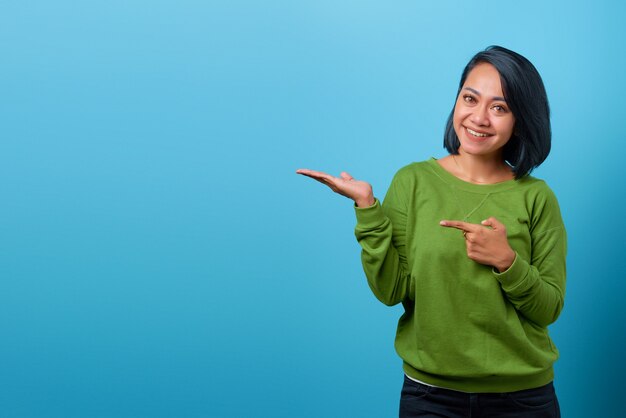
(357, 190)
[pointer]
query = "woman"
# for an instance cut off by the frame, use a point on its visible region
(474, 248)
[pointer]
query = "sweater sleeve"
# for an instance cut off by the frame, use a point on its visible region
(381, 232)
(536, 287)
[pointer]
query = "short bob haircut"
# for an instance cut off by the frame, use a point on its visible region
(525, 95)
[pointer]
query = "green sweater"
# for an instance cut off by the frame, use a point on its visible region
(465, 326)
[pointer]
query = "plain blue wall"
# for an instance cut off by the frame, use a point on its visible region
(160, 258)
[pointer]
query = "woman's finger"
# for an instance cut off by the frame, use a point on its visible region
(311, 173)
(345, 185)
(346, 176)
(317, 175)
(493, 223)
(326, 179)
(463, 226)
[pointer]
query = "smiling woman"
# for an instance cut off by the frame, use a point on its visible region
(479, 293)
(501, 95)
(482, 120)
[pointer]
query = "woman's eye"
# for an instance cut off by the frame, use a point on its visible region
(468, 99)
(499, 108)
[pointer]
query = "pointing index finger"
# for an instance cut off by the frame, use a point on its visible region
(463, 226)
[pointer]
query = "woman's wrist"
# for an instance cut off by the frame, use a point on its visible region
(365, 202)
(506, 262)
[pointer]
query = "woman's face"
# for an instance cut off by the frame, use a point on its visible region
(482, 119)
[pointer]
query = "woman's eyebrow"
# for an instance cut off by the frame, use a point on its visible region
(478, 94)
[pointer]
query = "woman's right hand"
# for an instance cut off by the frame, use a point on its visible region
(359, 191)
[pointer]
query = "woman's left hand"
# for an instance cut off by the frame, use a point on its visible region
(486, 242)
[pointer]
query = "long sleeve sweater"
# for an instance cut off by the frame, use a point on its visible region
(465, 325)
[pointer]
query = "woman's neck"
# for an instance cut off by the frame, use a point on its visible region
(480, 169)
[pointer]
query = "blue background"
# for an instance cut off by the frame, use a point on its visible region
(160, 258)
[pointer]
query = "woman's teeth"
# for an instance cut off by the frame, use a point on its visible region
(476, 133)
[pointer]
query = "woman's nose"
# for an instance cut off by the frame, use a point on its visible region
(480, 116)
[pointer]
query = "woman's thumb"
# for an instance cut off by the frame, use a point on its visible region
(346, 176)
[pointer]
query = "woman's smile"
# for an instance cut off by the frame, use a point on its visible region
(477, 133)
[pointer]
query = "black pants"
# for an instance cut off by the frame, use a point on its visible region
(419, 400)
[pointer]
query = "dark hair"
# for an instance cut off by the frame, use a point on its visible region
(526, 97)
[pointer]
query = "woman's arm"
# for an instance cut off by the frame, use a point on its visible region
(536, 287)
(380, 232)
